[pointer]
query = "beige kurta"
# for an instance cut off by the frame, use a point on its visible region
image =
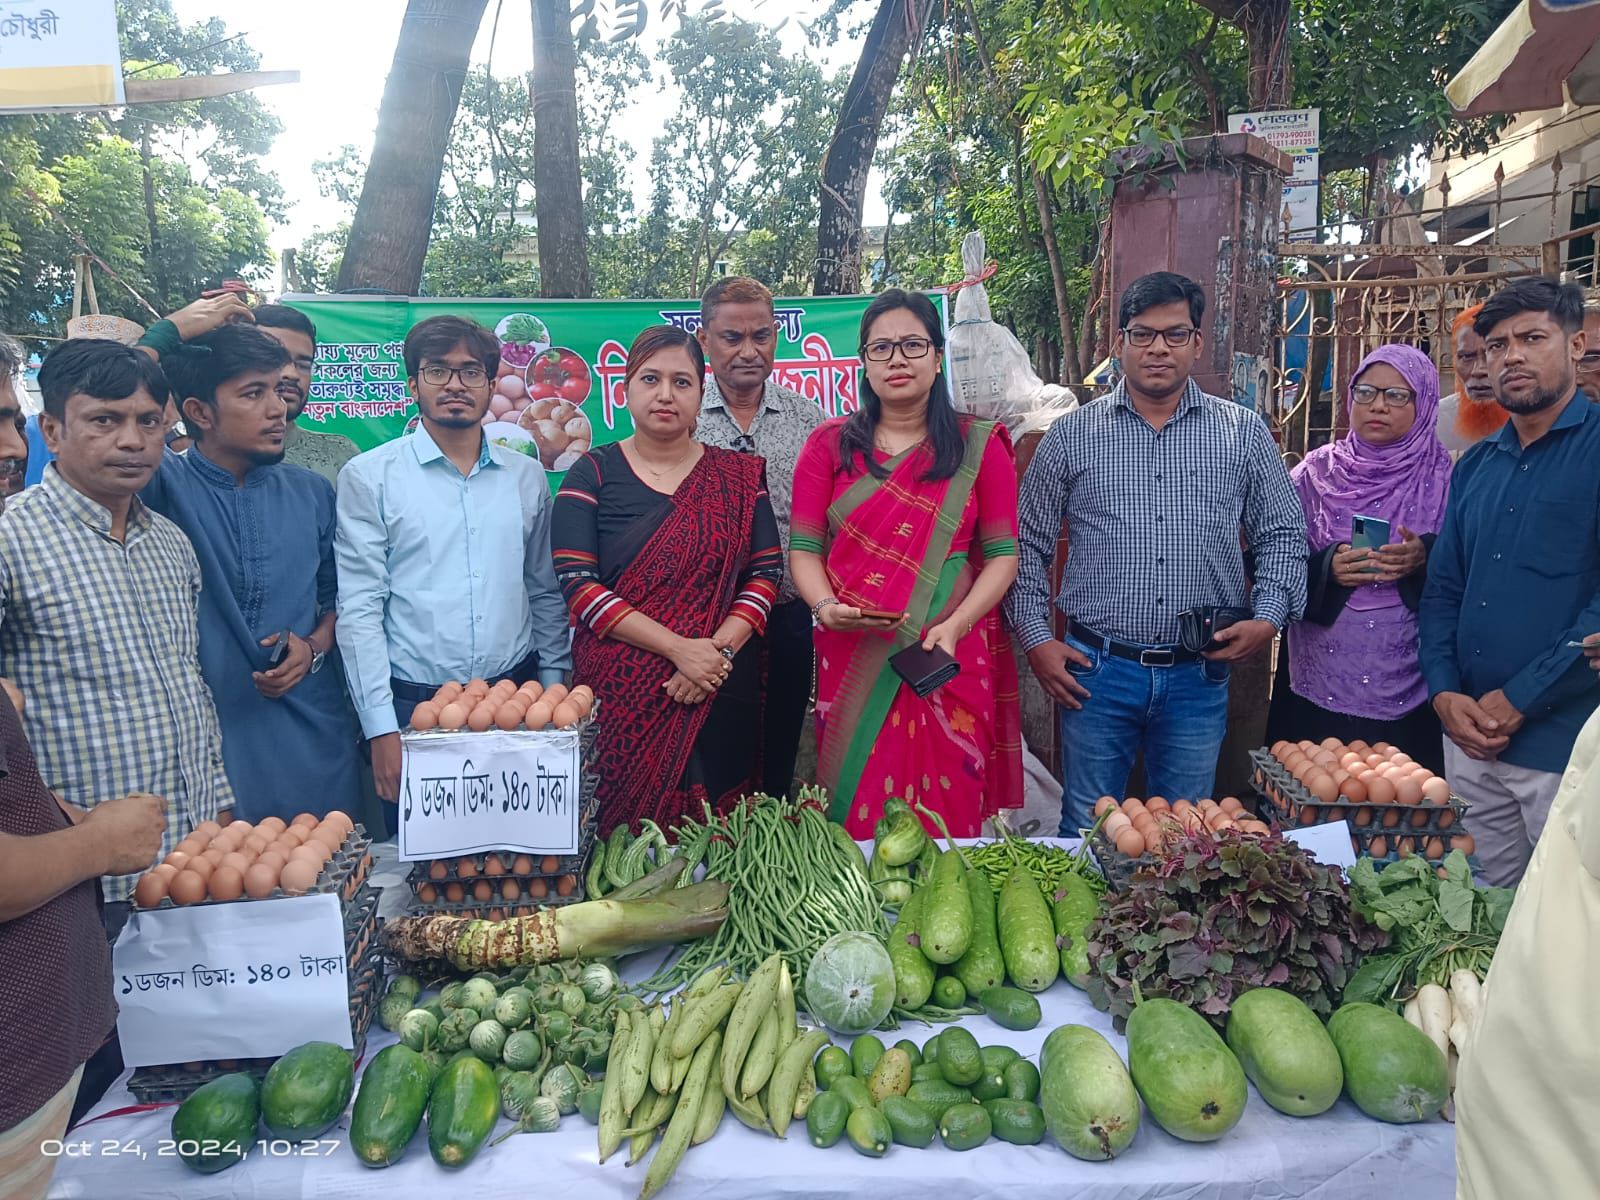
(1528, 1087)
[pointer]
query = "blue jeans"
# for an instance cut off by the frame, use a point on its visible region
(1177, 715)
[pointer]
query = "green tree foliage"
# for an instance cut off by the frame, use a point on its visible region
(172, 197)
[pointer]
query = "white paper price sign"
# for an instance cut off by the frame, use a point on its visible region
(244, 980)
(462, 793)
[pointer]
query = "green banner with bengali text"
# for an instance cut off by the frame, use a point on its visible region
(559, 387)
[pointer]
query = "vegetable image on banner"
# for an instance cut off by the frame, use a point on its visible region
(559, 387)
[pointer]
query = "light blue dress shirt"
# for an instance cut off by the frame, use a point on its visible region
(443, 576)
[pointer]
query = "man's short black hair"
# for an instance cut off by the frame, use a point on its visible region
(12, 356)
(281, 316)
(437, 336)
(1158, 288)
(1563, 301)
(204, 363)
(102, 369)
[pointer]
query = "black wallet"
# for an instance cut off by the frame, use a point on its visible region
(924, 670)
(1197, 628)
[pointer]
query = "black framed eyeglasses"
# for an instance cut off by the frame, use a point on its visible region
(438, 375)
(883, 351)
(744, 444)
(1395, 397)
(1590, 360)
(1176, 338)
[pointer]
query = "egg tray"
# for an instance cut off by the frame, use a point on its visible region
(1363, 840)
(481, 911)
(174, 1083)
(1293, 805)
(1116, 866)
(550, 885)
(587, 729)
(360, 925)
(343, 874)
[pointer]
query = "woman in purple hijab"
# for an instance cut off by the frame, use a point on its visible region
(1352, 662)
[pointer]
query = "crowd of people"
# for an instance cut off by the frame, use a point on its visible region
(244, 628)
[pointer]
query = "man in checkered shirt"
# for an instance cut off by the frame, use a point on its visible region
(1154, 482)
(98, 606)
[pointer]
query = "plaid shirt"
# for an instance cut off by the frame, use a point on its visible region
(1154, 518)
(778, 433)
(103, 640)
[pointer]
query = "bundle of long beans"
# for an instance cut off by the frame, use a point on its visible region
(794, 880)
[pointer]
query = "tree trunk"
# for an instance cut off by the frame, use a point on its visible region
(896, 28)
(158, 273)
(1266, 28)
(389, 235)
(557, 174)
(1072, 370)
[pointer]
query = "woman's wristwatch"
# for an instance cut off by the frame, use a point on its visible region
(816, 609)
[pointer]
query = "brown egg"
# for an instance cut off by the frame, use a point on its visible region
(1332, 743)
(1378, 847)
(1278, 747)
(259, 880)
(482, 717)
(1323, 787)
(478, 687)
(297, 878)
(240, 829)
(447, 692)
(1391, 815)
(453, 715)
(583, 703)
(1464, 843)
(1354, 790)
(1420, 816)
(305, 820)
(510, 889)
(1436, 791)
(566, 715)
(425, 716)
(1303, 769)
(492, 865)
(509, 715)
(1103, 805)
(1433, 848)
(192, 845)
(548, 864)
(522, 865)
(226, 883)
(255, 844)
(427, 893)
(239, 862)
(1116, 824)
(1379, 789)
(295, 835)
(187, 888)
(566, 885)
(533, 689)
(1326, 758)
(1131, 806)
(151, 890)
(1131, 843)
(342, 819)
(454, 893)
(1374, 759)
(1400, 758)
(1407, 790)
(1157, 805)
(177, 859)
(331, 834)
(313, 852)
(166, 871)
(271, 826)
(202, 865)
(438, 869)
(209, 829)
(467, 868)
(503, 691)
(555, 694)
(539, 714)
(1363, 815)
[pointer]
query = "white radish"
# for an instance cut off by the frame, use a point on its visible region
(1413, 1012)
(1466, 996)
(1433, 1007)
(1448, 1112)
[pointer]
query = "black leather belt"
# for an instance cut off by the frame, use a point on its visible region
(1145, 656)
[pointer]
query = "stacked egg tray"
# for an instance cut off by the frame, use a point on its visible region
(551, 879)
(1384, 832)
(343, 874)
(1116, 866)
(174, 1083)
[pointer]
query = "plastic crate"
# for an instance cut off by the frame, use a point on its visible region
(343, 874)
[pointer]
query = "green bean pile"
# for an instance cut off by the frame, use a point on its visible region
(794, 881)
(1050, 865)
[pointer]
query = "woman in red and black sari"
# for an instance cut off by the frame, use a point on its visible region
(668, 553)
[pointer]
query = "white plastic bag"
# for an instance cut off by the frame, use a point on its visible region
(989, 371)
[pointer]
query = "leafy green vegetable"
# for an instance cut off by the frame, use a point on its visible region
(1224, 914)
(1438, 925)
(523, 328)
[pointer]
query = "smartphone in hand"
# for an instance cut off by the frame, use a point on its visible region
(1368, 533)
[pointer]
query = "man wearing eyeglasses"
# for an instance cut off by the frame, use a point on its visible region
(745, 409)
(324, 453)
(1589, 363)
(1513, 589)
(1155, 483)
(443, 551)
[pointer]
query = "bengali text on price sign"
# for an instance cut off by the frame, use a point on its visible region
(464, 793)
(247, 979)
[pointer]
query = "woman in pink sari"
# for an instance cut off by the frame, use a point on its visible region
(904, 533)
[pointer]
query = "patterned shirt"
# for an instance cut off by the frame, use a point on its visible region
(1154, 519)
(324, 453)
(103, 639)
(778, 433)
